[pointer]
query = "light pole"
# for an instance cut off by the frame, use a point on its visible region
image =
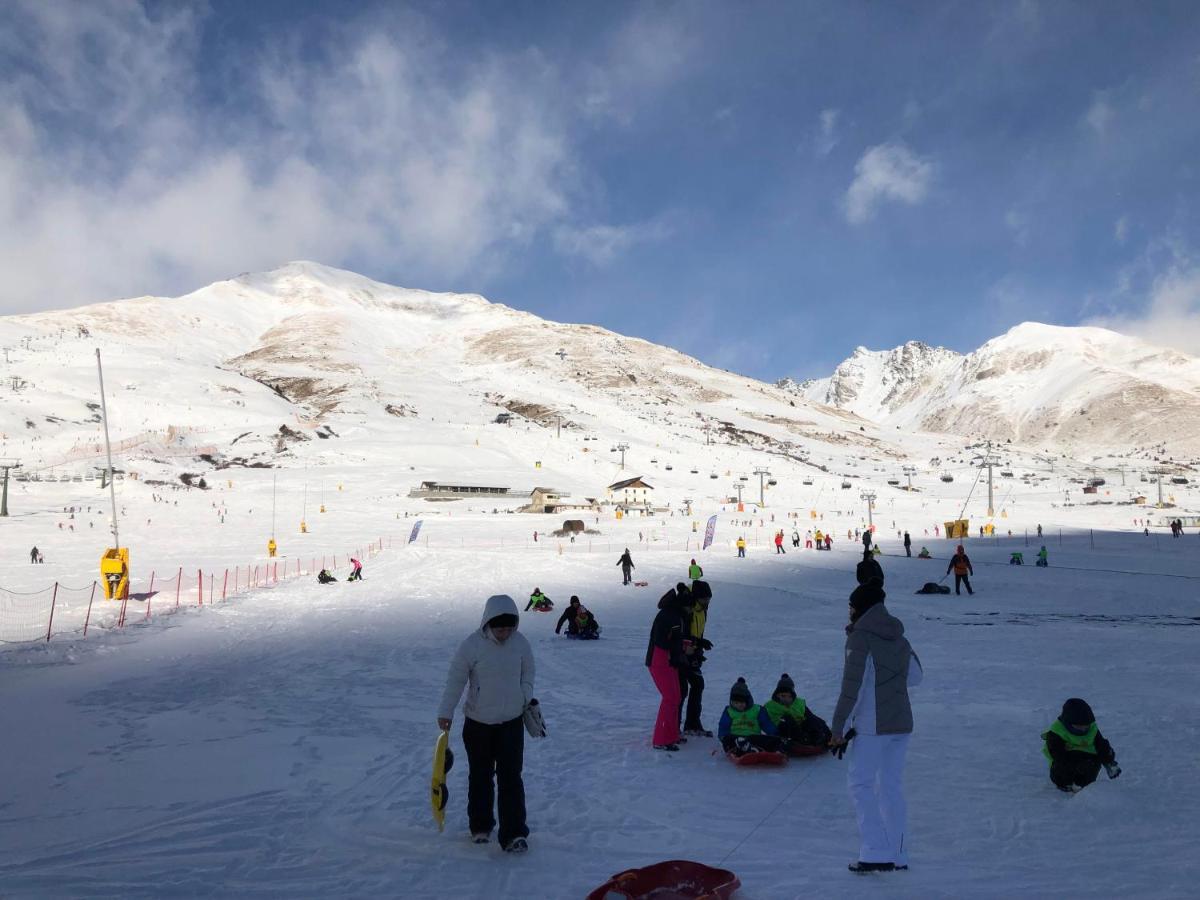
(622, 448)
(761, 473)
(869, 496)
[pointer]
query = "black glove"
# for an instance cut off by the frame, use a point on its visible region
(1112, 769)
(705, 644)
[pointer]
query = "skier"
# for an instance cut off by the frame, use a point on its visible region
(323, 577)
(745, 727)
(539, 602)
(33, 555)
(907, 544)
(664, 659)
(627, 566)
(779, 543)
(495, 663)
(1076, 749)
(793, 720)
(355, 570)
(691, 681)
(961, 564)
(874, 709)
(695, 573)
(868, 568)
(741, 547)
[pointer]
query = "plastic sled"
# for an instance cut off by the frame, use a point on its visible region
(758, 758)
(583, 637)
(543, 609)
(443, 759)
(675, 879)
(641, 584)
(798, 750)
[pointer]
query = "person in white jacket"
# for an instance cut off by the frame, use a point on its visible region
(495, 664)
(880, 667)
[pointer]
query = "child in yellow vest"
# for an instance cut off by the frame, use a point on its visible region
(745, 727)
(793, 720)
(1076, 748)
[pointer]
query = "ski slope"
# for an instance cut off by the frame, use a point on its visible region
(280, 743)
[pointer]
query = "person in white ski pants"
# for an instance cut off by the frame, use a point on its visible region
(880, 666)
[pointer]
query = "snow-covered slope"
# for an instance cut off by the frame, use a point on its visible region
(1043, 385)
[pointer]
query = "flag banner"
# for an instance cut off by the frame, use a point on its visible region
(709, 531)
(416, 530)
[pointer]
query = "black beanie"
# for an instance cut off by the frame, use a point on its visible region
(504, 620)
(741, 691)
(785, 685)
(574, 600)
(1077, 712)
(867, 595)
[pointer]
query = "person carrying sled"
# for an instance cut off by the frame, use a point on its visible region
(691, 681)
(323, 577)
(907, 544)
(1043, 558)
(868, 568)
(695, 573)
(1076, 749)
(873, 708)
(745, 727)
(627, 566)
(539, 602)
(355, 570)
(793, 720)
(495, 664)
(960, 564)
(741, 547)
(664, 659)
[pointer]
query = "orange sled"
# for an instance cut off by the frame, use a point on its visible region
(675, 879)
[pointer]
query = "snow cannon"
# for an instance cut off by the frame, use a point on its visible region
(114, 573)
(675, 879)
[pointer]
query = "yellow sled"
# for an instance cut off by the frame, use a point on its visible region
(443, 762)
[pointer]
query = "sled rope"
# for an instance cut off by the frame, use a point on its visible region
(763, 820)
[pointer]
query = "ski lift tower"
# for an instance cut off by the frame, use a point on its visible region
(737, 486)
(621, 448)
(869, 496)
(987, 461)
(909, 471)
(6, 465)
(761, 473)
(1158, 472)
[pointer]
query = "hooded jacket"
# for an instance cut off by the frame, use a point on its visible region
(498, 676)
(880, 666)
(667, 631)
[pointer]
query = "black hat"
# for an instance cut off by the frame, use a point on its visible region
(670, 598)
(867, 595)
(504, 620)
(1077, 712)
(741, 691)
(785, 685)
(574, 600)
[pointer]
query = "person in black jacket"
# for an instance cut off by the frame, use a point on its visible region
(907, 544)
(627, 566)
(869, 568)
(664, 658)
(579, 621)
(691, 681)
(1076, 748)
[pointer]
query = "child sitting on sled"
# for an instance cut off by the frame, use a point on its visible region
(580, 622)
(744, 726)
(324, 577)
(793, 720)
(539, 602)
(924, 554)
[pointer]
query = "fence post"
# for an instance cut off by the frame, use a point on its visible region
(151, 590)
(212, 586)
(277, 572)
(224, 584)
(88, 617)
(178, 585)
(53, 600)
(200, 587)
(1092, 534)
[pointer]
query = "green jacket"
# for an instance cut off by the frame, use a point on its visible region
(1078, 743)
(777, 710)
(695, 572)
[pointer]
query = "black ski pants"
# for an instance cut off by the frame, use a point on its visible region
(907, 550)
(767, 742)
(496, 751)
(1074, 768)
(625, 571)
(962, 580)
(691, 689)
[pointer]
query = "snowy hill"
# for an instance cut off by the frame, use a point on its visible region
(1065, 388)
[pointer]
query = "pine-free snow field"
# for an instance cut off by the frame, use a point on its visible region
(280, 744)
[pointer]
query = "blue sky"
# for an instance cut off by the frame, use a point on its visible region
(761, 185)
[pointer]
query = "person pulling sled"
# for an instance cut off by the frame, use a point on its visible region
(355, 570)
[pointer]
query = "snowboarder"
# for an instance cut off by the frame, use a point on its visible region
(961, 564)
(868, 568)
(1043, 558)
(539, 602)
(1076, 749)
(779, 543)
(323, 577)
(664, 659)
(691, 681)
(34, 557)
(495, 662)
(745, 727)
(627, 566)
(793, 720)
(873, 706)
(907, 544)
(741, 547)
(695, 573)
(355, 570)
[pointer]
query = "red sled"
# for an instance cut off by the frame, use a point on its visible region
(675, 879)
(641, 583)
(758, 758)
(806, 749)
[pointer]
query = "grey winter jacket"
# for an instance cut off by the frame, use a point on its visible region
(880, 666)
(498, 677)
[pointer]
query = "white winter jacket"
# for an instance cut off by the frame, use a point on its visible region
(498, 677)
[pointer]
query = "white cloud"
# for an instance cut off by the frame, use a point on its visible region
(827, 136)
(601, 244)
(1121, 230)
(1100, 114)
(886, 172)
(1171, 317)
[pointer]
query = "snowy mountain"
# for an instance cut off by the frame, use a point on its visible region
(1042, 385)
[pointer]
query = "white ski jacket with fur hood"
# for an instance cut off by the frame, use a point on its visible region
(498, 677)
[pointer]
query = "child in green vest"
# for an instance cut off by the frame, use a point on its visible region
(539, 601)
(793, 720)
(745, 727)
(1042, 557)
(1076, 748)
